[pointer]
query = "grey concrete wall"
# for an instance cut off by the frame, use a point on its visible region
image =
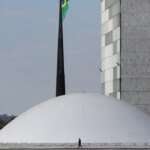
(135, 52)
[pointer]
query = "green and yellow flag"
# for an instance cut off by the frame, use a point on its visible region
(65, 7)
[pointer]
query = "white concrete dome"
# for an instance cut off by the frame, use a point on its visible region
(92, 117)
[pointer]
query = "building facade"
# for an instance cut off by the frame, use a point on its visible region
(125, 51)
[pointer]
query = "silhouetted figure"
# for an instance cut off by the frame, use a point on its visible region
(79, 143)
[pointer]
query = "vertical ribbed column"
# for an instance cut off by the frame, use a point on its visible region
(110, 47)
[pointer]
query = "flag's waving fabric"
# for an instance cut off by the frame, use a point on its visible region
(65, 7)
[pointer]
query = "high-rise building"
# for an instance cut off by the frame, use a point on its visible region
(125, 50)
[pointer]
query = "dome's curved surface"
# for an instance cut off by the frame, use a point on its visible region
(91, 117)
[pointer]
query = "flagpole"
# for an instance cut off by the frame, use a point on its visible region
(60, 79)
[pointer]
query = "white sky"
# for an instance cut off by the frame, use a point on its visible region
(28, 49)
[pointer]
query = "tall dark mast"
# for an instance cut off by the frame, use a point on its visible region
(60, 81)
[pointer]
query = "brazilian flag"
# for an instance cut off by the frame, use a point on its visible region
(65, 7)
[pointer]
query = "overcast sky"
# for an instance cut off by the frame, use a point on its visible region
(28, 50)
